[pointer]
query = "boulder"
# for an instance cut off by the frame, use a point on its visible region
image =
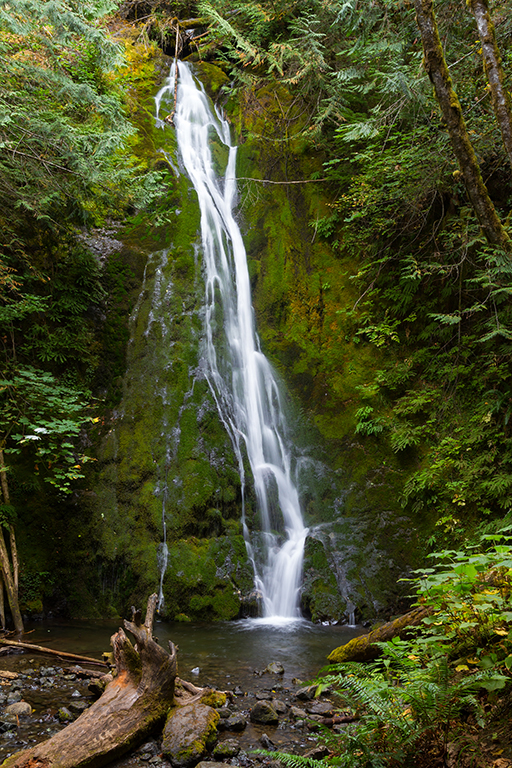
(263, 712)
(189, 732)
(226, 749)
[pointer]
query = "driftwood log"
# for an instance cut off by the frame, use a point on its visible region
(363, 648)
(51, 652)
(133, 704)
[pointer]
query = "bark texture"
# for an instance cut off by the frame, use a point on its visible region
(437, 69)
(494, 72)
(134, 703)
(9, 570)
(364, 649)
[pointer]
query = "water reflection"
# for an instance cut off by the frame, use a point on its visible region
(225, 653)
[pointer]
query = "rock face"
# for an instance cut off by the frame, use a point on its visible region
(264, 712)
(188, 733)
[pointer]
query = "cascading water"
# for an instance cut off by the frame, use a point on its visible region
(240, 377)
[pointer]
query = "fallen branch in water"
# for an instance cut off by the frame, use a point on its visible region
(52, 652)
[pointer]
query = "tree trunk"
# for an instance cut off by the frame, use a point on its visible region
(364, 649)
(437, 70)
(494, 72)
(133, 704)
(9, 572)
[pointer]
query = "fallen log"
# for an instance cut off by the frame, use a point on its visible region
(363, 648)
(132, 706)
(52, 652)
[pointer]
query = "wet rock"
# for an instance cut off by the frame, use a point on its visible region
(275, 668)
(226, 749)
(263, 712)
(13, 696)
(238, 691)
(320, 708)
(261, 696)
(64, 715)
(188, 733)
(215, 699)
(76, 694)
(224, 712)
(279, 706)
(232, 723)
(78, 706)
(297, 713)
(47, 672)
(307, 693)
(266, 743)
(318, 752)
(211, 765)
(19, 708)
(8, 723)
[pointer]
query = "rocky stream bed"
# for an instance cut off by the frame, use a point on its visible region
(39, 698)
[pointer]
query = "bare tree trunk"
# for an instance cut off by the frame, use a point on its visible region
(133, 704)
(494, 71)
(2, 604)
(437, 70)
(9, 571)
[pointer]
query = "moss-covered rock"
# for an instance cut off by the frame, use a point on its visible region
(189, 731)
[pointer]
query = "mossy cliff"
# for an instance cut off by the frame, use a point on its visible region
(165, 467)
(360, 541)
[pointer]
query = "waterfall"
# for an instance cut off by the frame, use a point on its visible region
(240, 377)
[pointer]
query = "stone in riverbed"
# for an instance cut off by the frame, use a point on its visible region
(307, 693)
(226, 749)
(232, 723)
(64, 715)
(319, 708)
(297, 712)
(188, 733)
(264, 712)
(275, 667)
(19, 708)
(279, 706)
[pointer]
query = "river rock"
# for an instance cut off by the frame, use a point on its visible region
(232, 723)
(307, 693)
(19, 708)
(188, 733)
(319, 708)
(64, 715)
(226, 749)
(298, 713)
(279, 706)
(13, 696)
(263, 712)
(266, 743)
(275, 667)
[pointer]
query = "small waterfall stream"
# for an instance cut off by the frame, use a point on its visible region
(240, 377)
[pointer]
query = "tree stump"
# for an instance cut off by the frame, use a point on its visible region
(132, 706)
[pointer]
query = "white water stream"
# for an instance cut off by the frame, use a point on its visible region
(240, 377)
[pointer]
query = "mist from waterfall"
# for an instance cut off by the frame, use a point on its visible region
(240, 377)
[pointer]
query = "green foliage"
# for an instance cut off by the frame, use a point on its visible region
(39, 419)
(421, 692)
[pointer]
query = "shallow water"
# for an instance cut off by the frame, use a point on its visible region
(229, 656)
(225, 652)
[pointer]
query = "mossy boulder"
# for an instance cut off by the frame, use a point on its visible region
(188, 733)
